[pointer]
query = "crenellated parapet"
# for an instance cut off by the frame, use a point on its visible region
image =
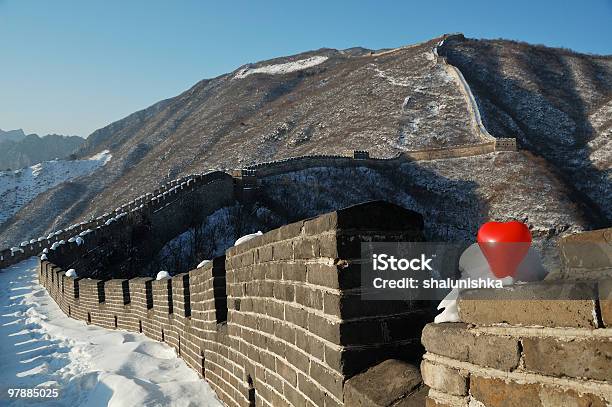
(545, 343)
(278, 319)
(95, 230)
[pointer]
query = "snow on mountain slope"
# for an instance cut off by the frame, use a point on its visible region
(91, 366)
(17, 188)
(279, 69)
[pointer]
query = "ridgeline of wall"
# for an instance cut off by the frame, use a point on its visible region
(159, 212)
(277, 321)
(210, 187)
(245, 179)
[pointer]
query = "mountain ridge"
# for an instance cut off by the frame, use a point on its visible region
(18, 150)
(398, 100)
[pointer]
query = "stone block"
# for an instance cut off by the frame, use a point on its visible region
(587, 254)
(456, 341)
(444, 378)
(296, 315)
(324, 328)
(294, 271)
(497, 392)
(580, 358)
(283, 250)
(306, 248)
(439, 399)
(291, 230)
(314, 393)
(382, 385)
(321, 224)
(415, 399)
(550, 304)
(286, 372)
(507, 393)
(323, 275)
(329, 379)
(309, 297)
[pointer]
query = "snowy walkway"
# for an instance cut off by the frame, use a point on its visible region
(92, 366)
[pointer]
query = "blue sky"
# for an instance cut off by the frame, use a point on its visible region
(71, 67)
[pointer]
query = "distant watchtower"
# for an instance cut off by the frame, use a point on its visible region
(505, 144)
(245, 184)
(361, 155)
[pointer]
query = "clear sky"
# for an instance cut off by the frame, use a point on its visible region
(71, 67)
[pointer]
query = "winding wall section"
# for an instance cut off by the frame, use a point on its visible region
(277, 321)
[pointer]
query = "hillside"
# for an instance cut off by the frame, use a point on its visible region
(330, 101)
(18, 150)
(556, 102)
(19, 187)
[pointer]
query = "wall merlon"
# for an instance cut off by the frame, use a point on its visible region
(551, 304)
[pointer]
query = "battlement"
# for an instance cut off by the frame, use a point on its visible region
(587, 255)
(525, 343)
(242, 182)
(505, 144)
(279, 318)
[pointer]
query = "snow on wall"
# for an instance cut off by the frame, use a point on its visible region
(212, 343)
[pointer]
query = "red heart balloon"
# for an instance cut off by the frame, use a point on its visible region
(504, 245)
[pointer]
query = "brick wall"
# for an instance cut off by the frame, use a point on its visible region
(277, 320)
(124, 245)
(586, 255)
(168, 208)
(159, 202)
(538, 344)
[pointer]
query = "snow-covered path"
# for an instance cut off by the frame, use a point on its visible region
(91, 366)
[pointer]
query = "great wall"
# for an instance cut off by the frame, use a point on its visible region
(240, 182)
(278, 321)
(244, 178)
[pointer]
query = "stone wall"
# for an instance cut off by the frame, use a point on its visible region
(474, 112)
(245, 179)
(586, 255)
(278, 320)
(104, 226)
(538, 344)
(126, 242)
(168, 202)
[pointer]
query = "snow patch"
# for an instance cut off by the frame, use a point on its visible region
(17, 188)
(246, 238)
(204, 263)
(405, 82)
(92, 366)
(163, 275)
(280, 69)
(71, 273)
